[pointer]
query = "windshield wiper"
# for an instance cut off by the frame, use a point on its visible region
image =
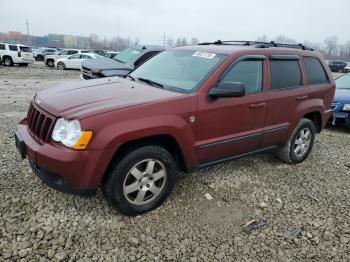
(131, 77)
(151, 82)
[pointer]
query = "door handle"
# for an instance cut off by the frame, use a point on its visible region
(302, 97)
(253, 106)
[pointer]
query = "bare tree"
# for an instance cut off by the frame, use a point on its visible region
(285, 40)
(331, 43)
(194, 41)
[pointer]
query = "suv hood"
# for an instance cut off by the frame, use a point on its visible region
(81, 99)
(342, 95)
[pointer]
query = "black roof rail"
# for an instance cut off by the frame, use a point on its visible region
(258, 44)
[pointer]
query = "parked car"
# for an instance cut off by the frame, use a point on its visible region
(49, 60)
(11, 54)
(185, 108)
(120, 64)
(341, 102)
(111, 54)
(74, 61)
(97, 51)
(40, 53)
(337, 66)
(347, 68)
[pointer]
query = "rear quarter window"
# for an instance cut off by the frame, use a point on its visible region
(285, 74)
(2, 47)
(25, 49)
(315, 71)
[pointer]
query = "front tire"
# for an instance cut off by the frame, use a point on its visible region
(141, 180)
(50, 63)
(300, 144)
(61, 66)
(8, 61)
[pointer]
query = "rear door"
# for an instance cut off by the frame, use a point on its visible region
(72, 61)
(288, 90)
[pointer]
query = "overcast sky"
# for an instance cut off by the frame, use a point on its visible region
(207, 20)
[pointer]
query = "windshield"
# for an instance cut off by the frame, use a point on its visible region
(127, 55)
(343, 82)
(179, 70)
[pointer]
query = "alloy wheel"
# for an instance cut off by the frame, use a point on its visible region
(302, 142)
(144, 182)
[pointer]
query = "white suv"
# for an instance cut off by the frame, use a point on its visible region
(11, 54)
(49, 60)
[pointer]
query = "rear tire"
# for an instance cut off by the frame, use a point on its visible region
(300, 143)
(61, 66)
(8, 61)
(141, 180)
(50, 63)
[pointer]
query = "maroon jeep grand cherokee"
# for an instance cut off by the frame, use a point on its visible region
(186, 108)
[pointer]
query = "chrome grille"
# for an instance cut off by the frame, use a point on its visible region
(40, 123)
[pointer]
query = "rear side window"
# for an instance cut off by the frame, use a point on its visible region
(285, 74)
(25, 49)
(249, 72)
(72, 52)
(2, 47)
(315, 71)
(13, 48)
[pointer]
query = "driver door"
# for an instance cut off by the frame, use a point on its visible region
(228, 127)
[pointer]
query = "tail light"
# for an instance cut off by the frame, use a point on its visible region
(19, 54)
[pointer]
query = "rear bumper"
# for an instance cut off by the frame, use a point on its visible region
(67, 170)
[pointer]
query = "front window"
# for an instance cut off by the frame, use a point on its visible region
(179, 70)
(127, 55)
(343, 82)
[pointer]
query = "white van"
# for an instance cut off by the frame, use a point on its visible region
(11, 54)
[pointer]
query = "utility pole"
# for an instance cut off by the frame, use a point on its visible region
(164, 39)
(118, 28)
(27, 23)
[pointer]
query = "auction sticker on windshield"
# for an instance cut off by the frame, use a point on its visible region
(204, 54)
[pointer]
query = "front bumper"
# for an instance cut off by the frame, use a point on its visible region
(64, 169)
(340, 118)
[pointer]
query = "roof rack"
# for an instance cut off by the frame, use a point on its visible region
(258, 44)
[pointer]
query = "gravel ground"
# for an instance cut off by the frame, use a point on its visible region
(40, 224)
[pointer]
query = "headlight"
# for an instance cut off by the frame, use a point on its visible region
(69, 133)
(346, 107)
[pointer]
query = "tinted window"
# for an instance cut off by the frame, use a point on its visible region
(315, 71)
(250, 73)
(72, 52)
(13, 48)
(25, 49)
(2, 47)
(145, 57)
(285, 74)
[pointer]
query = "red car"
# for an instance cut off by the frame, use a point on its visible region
(185, 108)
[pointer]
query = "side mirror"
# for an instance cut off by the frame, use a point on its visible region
(227, 89)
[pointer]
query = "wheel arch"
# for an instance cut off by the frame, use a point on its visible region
(316, 118)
